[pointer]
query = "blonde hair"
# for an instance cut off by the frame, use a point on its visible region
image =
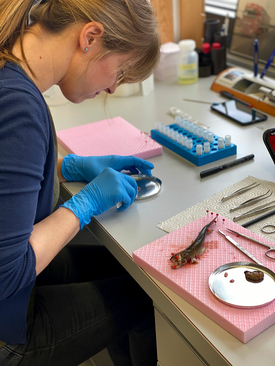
(130, 26)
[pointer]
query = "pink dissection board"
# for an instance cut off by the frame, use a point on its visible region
(191, 281)
(108, 137)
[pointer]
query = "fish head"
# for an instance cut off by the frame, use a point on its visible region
(178, 260)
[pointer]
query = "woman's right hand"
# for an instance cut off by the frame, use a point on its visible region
(102, 193)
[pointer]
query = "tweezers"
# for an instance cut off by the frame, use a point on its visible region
(254, 211)
(240, 191)
(252, 201)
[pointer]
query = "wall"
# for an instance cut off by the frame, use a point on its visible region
(180, 19)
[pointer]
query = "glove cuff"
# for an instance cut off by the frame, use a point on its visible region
(86, 204)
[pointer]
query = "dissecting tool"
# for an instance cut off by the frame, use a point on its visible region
(252, 201)
(254, 211)
(238, 246)
(271, 248)
(262, 217)
(264, 229)
(240, 191)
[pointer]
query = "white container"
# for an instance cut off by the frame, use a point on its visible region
(124, 90)
(187, 62)
(167, 66)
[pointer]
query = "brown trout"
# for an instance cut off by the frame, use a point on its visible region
(193, 251)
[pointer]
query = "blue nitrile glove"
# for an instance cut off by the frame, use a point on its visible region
(105, 191)
(76, 168)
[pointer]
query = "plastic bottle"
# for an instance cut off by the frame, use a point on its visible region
(218, 56)
(206, 54)
(187, 62)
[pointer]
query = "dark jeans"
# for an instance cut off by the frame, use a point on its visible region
(85, 301)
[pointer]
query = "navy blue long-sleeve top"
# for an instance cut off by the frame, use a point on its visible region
(27, 165)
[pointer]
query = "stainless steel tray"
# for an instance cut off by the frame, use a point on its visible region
(229, 285)
(148, 186)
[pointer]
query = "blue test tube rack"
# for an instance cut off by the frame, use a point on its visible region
(214, 154)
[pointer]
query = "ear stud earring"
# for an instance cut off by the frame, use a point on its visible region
(86, 49)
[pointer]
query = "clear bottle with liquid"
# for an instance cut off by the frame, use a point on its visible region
(187, 62)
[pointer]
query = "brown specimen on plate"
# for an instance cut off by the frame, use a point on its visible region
(254, 276)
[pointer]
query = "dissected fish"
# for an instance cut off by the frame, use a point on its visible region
(193, 251)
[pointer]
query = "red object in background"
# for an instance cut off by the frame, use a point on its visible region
(206, 48)
(255, 20)
(216, 46)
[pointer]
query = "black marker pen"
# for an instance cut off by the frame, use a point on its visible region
(217, 169)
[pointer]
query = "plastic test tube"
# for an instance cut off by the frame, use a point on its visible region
(200, 131)
(199, 150)
(189, 144)
(227, 140)
(210, 137)
(165, 130)
(184, 140)
(220, 143)
(206, 146)
(175, 135)
(205, 134)
(195, 130)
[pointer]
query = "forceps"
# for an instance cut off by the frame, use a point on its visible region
(271, 248)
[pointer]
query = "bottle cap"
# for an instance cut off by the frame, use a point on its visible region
(187, 44)
(216, 45)
(206, 48)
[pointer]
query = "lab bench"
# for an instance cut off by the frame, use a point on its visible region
(184, 334)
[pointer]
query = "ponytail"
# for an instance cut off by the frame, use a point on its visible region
(13, 21)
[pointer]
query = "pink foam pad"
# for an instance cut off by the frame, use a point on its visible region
(191, 280)
(108, 137)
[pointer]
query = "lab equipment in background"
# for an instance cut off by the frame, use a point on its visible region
(222, 38)
(242, 84)
(167, 66)
(187, 62)
(124, 90)
(255, 56)
(187, 140)
(218, 57)
(225, 26)
(238, 111)
(269, 141)
(269, 62)
(211, 26)
(205, 64)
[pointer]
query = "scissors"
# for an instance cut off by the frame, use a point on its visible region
(270, 250)
(264, 229)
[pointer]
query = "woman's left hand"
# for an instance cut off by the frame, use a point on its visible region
(76, 168)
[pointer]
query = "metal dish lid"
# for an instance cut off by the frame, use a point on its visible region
(228, 283)
(148, 186)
